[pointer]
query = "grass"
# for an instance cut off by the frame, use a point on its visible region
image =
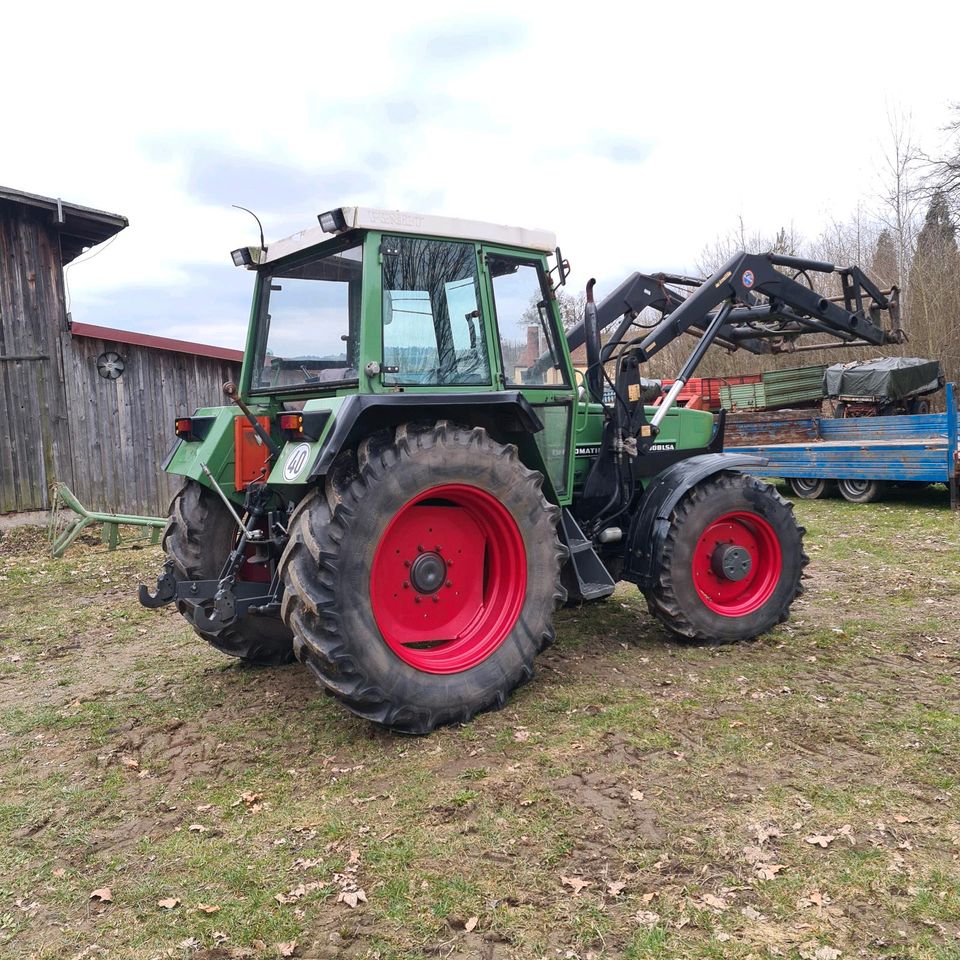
(640, 799)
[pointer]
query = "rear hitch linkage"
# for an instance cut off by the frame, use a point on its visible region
(166, 588)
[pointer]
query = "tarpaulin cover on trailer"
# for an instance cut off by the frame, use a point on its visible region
(888, 377)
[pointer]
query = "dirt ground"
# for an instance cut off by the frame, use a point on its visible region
(798, 796)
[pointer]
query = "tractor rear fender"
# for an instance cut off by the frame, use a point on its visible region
(651, 524)
(506, 416)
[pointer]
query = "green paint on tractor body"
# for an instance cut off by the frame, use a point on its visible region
(562, 451)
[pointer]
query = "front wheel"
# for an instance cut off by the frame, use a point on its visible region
(731, 563)
(422, 582)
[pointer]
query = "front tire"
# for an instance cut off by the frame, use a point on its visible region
(421, 583)
(198, 538)
(731, 563)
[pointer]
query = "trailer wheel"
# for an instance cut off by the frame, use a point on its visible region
(732, 561)
(810, 488)
(198, 537)
(861, 491)
(420, 587)
(919, 406)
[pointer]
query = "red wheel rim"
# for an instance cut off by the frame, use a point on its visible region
(737, 564)
(448, 579)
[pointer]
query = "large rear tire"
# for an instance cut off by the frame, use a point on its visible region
(732, 561)
(421, 583)
(198, 538)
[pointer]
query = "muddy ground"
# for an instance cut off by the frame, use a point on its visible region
(796, 796)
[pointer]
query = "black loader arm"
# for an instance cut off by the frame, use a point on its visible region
(791, 308)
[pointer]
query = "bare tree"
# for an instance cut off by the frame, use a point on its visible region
(901, 194)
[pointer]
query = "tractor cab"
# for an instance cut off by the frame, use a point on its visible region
(377, 303)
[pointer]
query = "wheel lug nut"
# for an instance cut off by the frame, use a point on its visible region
(449, 583)
(436, 599)
(419, 548)
(406, 584)
(437, 548)
(406, 563)
(416, 599)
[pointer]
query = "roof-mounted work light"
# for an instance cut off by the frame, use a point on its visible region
(244, 257)
(333, 221)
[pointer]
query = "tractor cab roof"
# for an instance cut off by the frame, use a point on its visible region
(341, 220)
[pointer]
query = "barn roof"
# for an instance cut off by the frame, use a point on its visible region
(132, 337)
(79, 227)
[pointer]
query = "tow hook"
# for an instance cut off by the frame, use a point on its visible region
(166, 588)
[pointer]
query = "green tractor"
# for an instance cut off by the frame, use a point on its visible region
(411, 475)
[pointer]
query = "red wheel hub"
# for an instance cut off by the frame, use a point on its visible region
(737, 564)
(449, 577)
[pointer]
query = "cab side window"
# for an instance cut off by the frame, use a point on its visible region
(432, 326)
(528, 343)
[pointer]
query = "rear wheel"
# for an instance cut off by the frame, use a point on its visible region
(918, 406)
(861, 491)
(198, 538)
(422, 582)
(732, 561)
(809, 488)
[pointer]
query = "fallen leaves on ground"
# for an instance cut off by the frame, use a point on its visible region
(646, 918)
(714, 902)
(820, 839)
(169, 903)
(575, 883)
(636, 795)
(813, 951)
(207, 908)
(471, 924)
(287, 949)
(615, 887)
(197, 828)
(103, 894)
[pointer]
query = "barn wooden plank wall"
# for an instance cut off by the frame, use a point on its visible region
(59, 419)
(121, 430)
(34, 435)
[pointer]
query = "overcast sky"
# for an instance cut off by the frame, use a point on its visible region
(636, 136)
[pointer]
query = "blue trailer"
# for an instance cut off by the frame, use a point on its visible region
(860, 455)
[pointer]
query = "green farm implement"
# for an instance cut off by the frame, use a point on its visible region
(411, 475)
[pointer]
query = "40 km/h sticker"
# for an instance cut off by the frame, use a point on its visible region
(296, 462)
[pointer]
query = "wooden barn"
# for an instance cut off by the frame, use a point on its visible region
(88, 405)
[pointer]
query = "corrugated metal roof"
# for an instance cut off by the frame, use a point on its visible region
(79, 227)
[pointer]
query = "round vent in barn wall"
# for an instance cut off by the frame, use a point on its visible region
(110, 365)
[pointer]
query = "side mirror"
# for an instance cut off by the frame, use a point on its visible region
(562, 269)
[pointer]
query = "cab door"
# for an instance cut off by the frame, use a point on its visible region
(533, 357)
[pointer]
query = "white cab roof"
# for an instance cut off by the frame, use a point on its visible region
(368, 218)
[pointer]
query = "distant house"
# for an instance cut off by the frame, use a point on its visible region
(90, 406)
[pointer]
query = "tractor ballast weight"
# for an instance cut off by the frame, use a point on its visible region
(409, 477)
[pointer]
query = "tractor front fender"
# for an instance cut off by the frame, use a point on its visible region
(360, 415)
(651, 524)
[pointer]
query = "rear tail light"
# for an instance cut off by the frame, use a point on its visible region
(292, 424)
(192, 429)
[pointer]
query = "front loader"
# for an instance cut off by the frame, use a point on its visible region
(411, 475)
